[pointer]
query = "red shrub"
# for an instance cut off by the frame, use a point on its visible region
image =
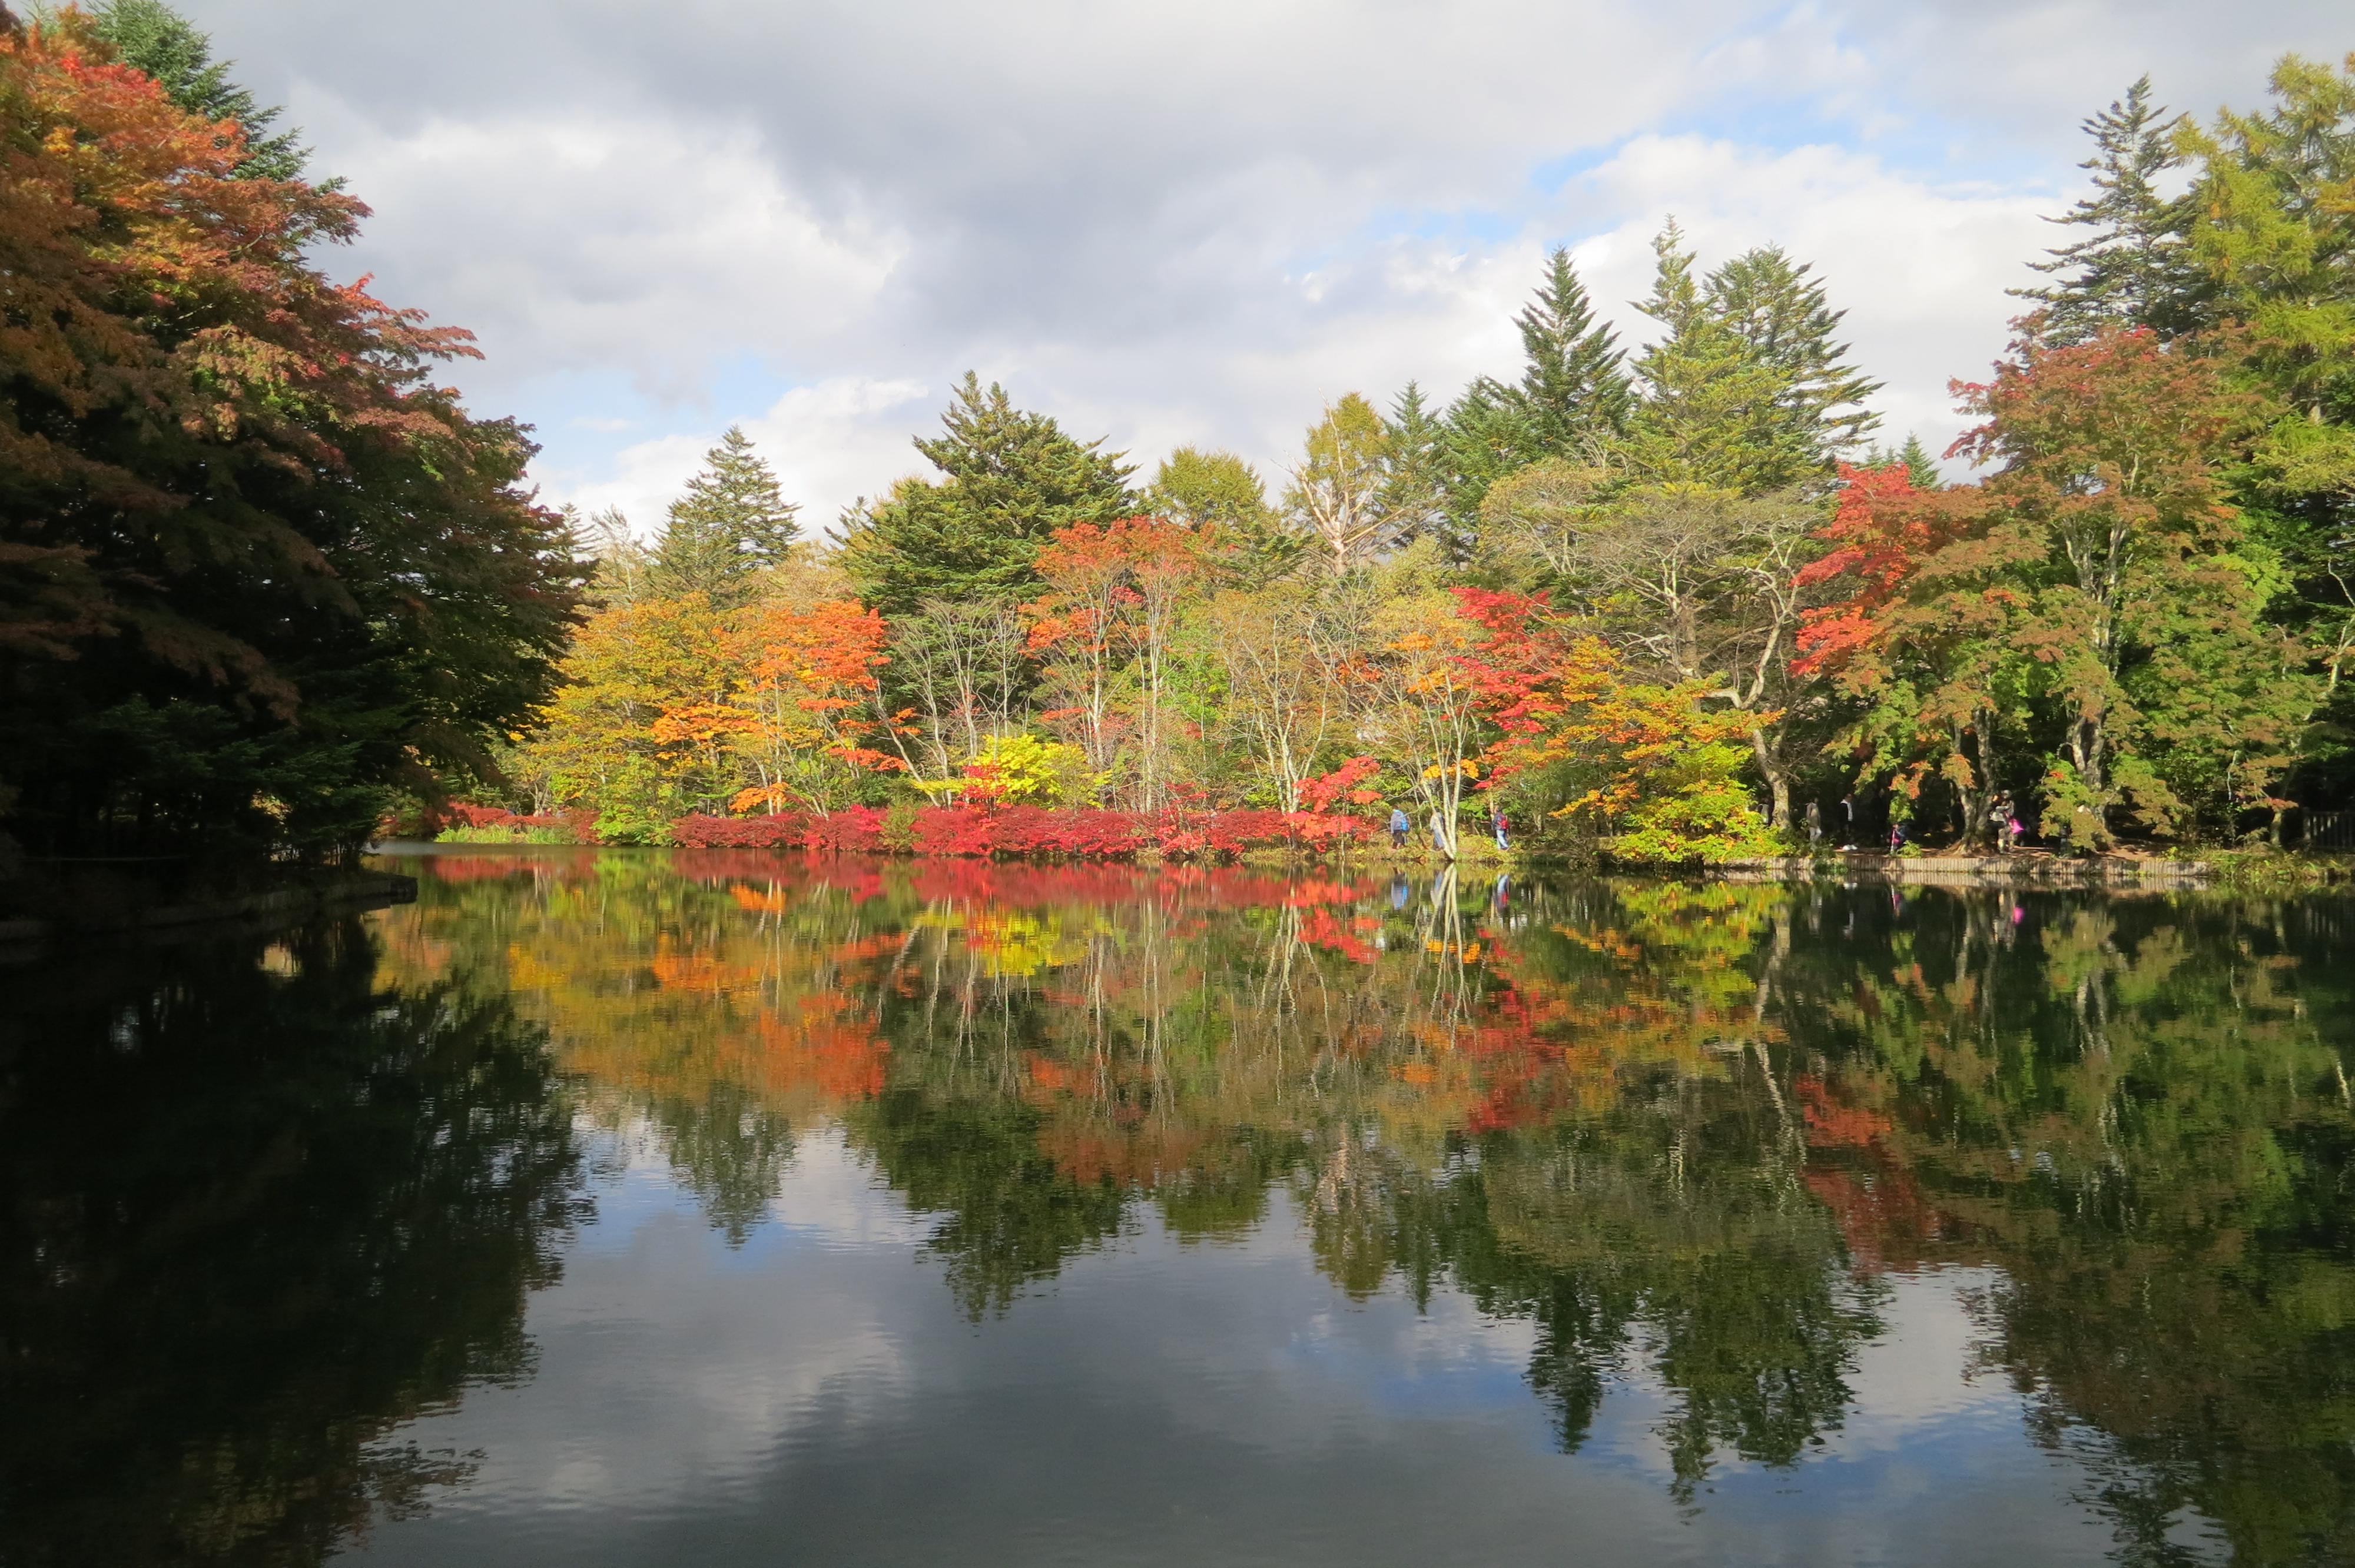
(856, 828)
(1031, 832)
(786, 830)
(581, 827)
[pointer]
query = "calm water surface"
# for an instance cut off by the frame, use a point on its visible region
(718, 1209)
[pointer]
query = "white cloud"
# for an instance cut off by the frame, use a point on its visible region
(827, 443)
(1170, 224)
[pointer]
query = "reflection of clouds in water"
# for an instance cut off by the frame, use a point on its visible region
(670, 1364)
(1449, 1358)
(817, 1395)
(834, 1198)
(1922, 1374)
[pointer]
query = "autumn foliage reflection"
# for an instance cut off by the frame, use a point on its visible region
(1687, 1129)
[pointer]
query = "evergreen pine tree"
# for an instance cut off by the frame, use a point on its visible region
(1574, 389)
(1012, 479)
(152, 38)
(1745, 390)
(1573, 399)
(1415, 491)
(731, 522)
(1484, 438)
(1775, 307)
(2135, 268)
(1921, 471)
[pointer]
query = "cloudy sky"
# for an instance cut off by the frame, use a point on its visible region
(1170, 223)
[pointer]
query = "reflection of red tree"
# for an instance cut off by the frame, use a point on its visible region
(497, 867)
(1832, 1125)
(690, 970)
(840, 1057)
(1882, 1214)
(865, 949)
(1139, 1157)
(1319, 928)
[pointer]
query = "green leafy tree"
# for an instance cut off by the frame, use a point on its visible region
(1339, 492)
(732, 522)
(1012, 479)
(2273, 235)
(1218, 489)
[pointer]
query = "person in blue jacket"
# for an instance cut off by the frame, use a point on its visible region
(1398, 827)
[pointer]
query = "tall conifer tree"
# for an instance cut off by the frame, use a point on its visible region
(1574, 389)
(1414, 493)
(1745, 390)
(1012, 479)
(1573, 398)
(151, 37)
(731, 522)
(2135, 267)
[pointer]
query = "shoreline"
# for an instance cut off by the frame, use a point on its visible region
(2228, 872)
(2029, 870)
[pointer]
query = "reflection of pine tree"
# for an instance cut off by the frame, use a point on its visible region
(730, 1148)
(1010, 1216)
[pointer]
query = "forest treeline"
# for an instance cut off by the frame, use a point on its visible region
(264, 584)
(1667, 601)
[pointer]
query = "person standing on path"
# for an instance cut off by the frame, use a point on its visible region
(1815, 826)
(1439, 834)
(1497, 821)
(1399, 826)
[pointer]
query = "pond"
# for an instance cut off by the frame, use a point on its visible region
(732, 1208)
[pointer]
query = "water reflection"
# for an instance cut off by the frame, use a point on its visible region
(1701, 1146)
(262, 1209)
(1687, 1132)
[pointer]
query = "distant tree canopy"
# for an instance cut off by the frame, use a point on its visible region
(256, 568)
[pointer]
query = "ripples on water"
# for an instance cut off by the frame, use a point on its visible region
(621, 1208)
